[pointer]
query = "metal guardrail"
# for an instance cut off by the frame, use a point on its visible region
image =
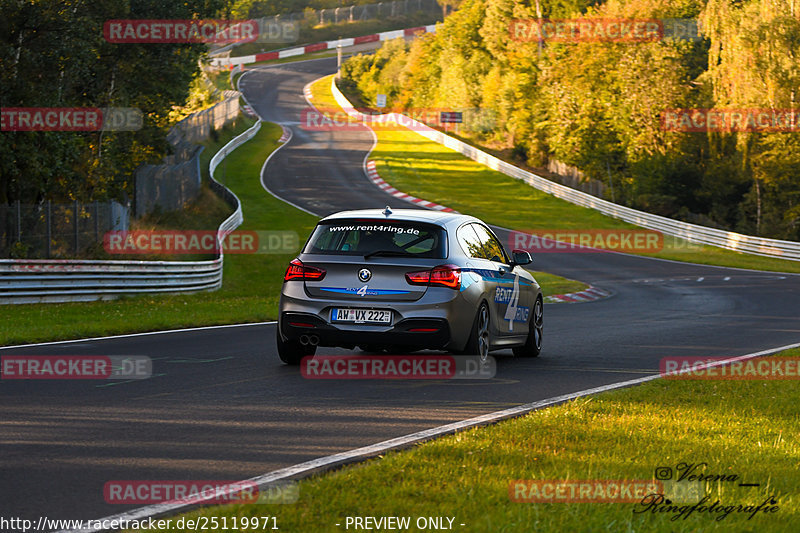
(229, 62)
(336, 15)
(684, 230)
(44, 280)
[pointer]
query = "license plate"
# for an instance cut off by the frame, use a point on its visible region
(362, 316)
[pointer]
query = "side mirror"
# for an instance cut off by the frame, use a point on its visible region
(521, 257)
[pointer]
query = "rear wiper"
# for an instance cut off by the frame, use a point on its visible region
(393, 253)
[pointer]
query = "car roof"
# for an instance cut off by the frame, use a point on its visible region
(412, 215)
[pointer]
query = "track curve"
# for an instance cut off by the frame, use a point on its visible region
(222, 406)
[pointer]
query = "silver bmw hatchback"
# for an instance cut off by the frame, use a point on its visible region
(408, 280)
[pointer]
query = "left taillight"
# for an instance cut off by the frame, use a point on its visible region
(444, 276)
(298, 271)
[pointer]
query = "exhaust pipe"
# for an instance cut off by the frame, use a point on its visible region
(313, 340)
(304, 340)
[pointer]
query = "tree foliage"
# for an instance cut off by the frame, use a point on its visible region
(54, 54)
(598, 105)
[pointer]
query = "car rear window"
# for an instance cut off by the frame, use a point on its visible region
(393, 238)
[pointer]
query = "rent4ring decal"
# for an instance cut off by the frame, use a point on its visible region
(364, 290)
(514, 311)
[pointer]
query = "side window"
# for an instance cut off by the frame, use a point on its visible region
(492, 248)
(470, 242)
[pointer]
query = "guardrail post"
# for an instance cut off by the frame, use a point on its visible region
(199, 173)
(75, 217)
(48, 232)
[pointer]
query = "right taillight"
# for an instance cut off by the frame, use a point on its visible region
(444, 275)
(298, 271)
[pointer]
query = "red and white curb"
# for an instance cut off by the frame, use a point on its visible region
(307, 92)
(372, 174)
(325, 45)
(587, 295)
(286, 135)
(249, 111)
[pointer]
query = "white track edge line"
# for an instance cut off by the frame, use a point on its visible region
(322, 464)
(241, 93)
(141, 334)
(264, 168)
(602, 251)
(127, 335)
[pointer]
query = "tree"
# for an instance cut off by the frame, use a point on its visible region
(54, 55)
(449, 6)
(754, 62)
(598, 105)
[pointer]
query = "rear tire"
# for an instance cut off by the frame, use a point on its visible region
(533, 344)
(292, 352)
(479, 338)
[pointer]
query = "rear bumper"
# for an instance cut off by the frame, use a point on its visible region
(433, 333)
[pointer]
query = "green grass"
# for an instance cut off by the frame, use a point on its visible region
(552, 284)
(220, 79)
(745, 428)
(428, 170)
(251, 283)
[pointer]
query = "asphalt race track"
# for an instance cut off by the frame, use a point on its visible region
(221, 406)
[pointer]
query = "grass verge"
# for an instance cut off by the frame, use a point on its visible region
(251, 283)
(552, 284)
(747, 429)
(425, 169)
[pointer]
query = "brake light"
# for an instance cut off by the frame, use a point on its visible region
(444, 275)
(298, 271)
(418, 278)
